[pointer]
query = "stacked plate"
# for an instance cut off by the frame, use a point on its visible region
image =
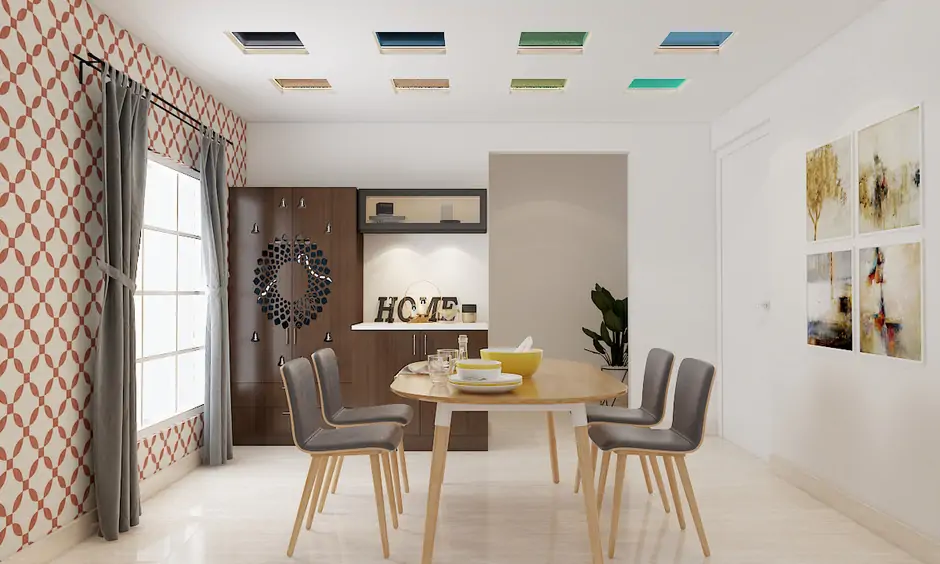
(483, 377)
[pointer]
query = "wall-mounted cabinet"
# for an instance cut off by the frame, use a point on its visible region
(422, 211)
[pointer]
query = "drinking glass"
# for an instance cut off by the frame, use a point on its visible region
(450, 355)
(438, 369)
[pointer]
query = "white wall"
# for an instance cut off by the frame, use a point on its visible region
(671, 198)
(558, 225)
(867, 425)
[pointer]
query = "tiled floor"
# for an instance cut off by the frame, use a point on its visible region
(498, 507)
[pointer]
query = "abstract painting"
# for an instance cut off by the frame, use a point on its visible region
(889, 180)
(828, 181)
(829, 300)
(890, 301)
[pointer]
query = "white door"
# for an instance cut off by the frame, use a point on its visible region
(745, 294)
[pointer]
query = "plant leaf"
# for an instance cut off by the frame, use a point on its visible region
(620, 308)
(613, 321)
(598, 347)
(603, 301)
(605, 335)
(591, 334)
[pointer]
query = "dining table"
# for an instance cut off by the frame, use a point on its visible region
(557, 386)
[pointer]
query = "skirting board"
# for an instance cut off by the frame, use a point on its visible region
(915, 543)
(61, 540)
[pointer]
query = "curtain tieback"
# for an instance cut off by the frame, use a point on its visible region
(116, 274)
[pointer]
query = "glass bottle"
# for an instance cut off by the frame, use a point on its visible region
(463, 347)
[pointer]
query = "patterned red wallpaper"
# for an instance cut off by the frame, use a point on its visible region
(50, 188)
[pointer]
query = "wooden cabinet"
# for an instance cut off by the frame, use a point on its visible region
(384, 353)
(284, 243)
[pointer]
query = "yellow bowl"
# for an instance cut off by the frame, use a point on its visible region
(522, 363)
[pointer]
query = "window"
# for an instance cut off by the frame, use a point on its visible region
(171, 298)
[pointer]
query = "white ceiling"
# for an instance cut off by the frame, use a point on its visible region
(481, 55)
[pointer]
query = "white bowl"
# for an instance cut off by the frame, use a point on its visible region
(478, 370)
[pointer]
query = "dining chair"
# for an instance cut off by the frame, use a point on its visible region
(374, 441)
(651, 412)
(690, 408)
(337, 415)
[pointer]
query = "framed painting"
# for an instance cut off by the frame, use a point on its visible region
(828, 189)
(890, 192)
(829, 291)
(891, 300)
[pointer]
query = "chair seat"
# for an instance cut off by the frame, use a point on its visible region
(366, 437)
(617, 437)
(623, 415)
(397, 413)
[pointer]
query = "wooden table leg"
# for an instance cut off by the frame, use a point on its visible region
(438, 461)
(579, 420)
(552, 446)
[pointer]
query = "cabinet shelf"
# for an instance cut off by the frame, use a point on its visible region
(422, 211)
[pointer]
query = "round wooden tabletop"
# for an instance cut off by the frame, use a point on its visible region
(556, 381)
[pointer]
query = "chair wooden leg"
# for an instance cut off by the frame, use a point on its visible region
(693, 505)
(390, 486)
(552, 446)
(339, 468)
(379, 501)
(577, 480)
(325, 488)
(602, 480)
(438, 462)
(404, 467)
(315, 495)
(396, 475)
(304, 500)
(674, 488)
(646, 474)
(590, 499)
(659, 482)
(618, 495)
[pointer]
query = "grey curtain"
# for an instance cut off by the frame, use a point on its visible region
(217, 416)
(124, 108)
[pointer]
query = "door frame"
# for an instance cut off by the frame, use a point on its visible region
(744, 139)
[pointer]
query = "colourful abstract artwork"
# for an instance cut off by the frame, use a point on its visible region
(891, 301)
(889, 173)
(829, 300)
(828, 185)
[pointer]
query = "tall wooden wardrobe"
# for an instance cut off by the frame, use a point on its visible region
(295, 286)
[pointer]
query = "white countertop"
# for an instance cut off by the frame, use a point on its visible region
(440, 326)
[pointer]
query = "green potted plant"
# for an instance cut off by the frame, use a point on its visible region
(610, 342)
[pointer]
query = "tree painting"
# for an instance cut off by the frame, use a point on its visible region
(827, 209)
(889, 177)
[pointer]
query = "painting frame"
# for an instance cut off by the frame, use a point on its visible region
(853, 340)
(921, 286)
(919, 108)
(851, 190)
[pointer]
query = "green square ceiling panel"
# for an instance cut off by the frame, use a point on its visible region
(656, 83)
(538, 83)
(552, 39)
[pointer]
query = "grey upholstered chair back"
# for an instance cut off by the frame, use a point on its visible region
(327, 369)
(693, 388)
(301, 388)
(656, 382)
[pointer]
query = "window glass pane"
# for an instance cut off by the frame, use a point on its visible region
(159, 325)
(191, 388)
(190, 265)
(138, 326)
(158, 393)
(192, 322)
(159, 262)
(190, 205)
(160, 198)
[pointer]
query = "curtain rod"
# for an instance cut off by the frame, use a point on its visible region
(156, 100)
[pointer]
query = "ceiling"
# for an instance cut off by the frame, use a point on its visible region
(481, 57)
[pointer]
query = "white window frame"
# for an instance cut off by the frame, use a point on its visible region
(182, 416)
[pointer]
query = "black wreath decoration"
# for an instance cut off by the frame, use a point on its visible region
(305, 309)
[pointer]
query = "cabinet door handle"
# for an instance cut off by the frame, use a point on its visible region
(414, 345)
(286, 413)
(295, 335)
(425, 344)
(287, 336)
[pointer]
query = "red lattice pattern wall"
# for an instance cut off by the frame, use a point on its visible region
(50, 187)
